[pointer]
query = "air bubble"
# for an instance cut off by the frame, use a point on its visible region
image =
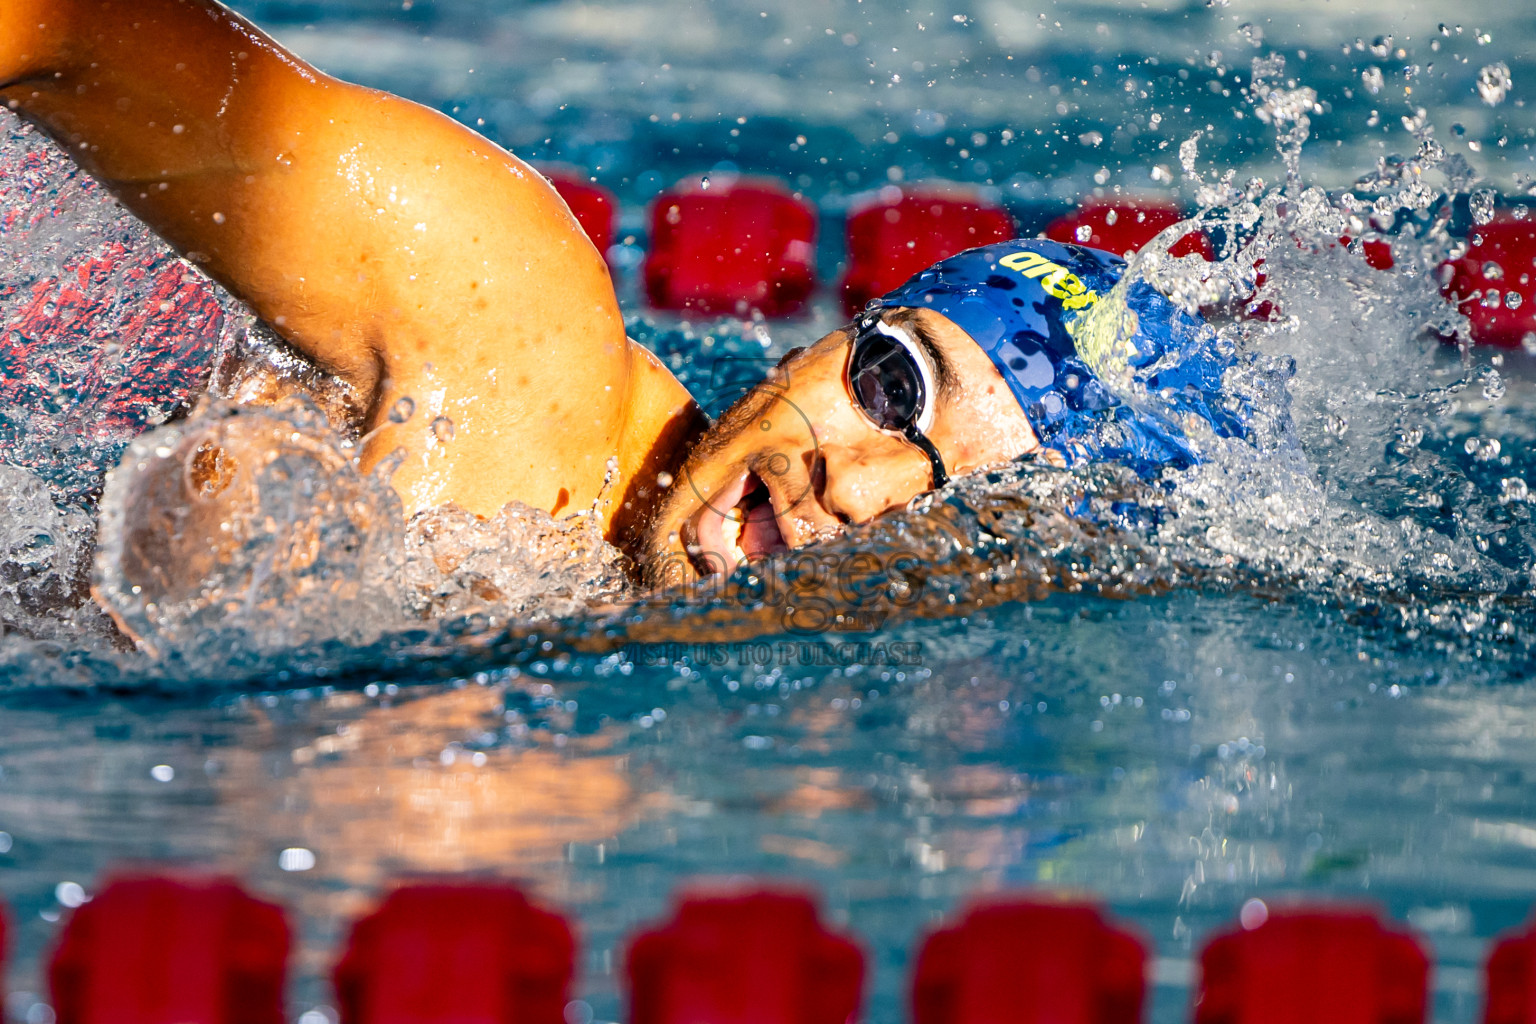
(442, 429)
(1372, 79)
(402, 410)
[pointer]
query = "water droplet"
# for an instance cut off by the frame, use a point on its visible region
(162, 773)
(704, 183)
(1253, 914)
(296, 858)
(1189, 152)
(402, 410)
(1513, 488)
(442, 429)
(1381, 47)
(1493, 390)
(1372, 79)
(1481, 205)
(1493, 83)
(1481, 449)
(1083, 232)
(70, 894)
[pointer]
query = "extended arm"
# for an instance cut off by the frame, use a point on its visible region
(390, 244)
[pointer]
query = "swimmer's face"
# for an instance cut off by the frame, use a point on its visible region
(797, 459)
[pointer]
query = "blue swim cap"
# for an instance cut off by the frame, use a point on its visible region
(1024, 302)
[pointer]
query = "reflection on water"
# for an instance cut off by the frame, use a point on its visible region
(1174, 755)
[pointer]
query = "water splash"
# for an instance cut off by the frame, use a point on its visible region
(1360, 478)
(244, 533)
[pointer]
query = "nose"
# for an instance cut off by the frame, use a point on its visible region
(858, 483)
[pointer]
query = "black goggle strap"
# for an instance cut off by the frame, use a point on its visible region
(870, 323)
(918, 438)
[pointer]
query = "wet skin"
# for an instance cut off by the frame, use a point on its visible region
(796, 460)
(385, 242)
(412, 257)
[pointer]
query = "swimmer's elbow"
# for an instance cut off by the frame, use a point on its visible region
(32, 35)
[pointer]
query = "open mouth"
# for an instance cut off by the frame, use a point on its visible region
(736, 526)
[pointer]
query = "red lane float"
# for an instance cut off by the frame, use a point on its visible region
(1312, 966)
(159, 950)
(476, 954)
(1125, 225)
(729, 246)
(1510, 975)
(1493, 283)
(1030, 961)
(900, 231)
(751, 958)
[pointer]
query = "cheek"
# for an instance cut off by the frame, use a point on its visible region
(997, 430)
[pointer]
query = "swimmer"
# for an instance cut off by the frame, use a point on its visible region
(410, 257)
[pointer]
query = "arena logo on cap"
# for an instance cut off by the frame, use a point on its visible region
(1056, 279)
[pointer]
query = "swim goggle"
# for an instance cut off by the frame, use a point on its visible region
(892, 386)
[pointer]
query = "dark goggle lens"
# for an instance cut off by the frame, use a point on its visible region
(886, 381)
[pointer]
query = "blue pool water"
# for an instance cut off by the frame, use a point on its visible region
(1309, 678)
